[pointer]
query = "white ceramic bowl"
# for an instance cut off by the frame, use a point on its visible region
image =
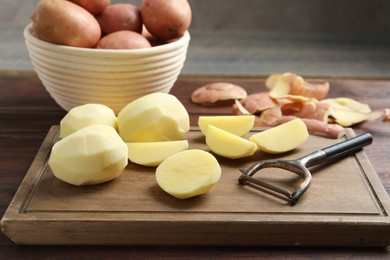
(75, 76)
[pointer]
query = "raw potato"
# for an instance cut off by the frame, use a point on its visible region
(166, 19)
(238, 125)
(153, 40)
(92, 6)
(153, 118)
(227, 144)
(123, 40)
(119, 17)
(189, 173)
(282, 138)
(92, 155)
(153, 153)
(86, 115)
(63, 22)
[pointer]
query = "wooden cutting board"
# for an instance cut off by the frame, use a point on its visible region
(346, 205)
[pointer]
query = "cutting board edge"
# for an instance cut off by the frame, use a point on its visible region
(15, 222)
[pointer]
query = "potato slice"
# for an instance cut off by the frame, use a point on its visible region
(238, 125)
(86, 115)
(92, 155)
(153, 153)
(153, 118)
(227, 144)
(188, 173)
(282, 138)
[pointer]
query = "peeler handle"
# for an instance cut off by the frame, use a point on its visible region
(349, 146)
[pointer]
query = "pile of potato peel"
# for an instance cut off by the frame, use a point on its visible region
(290, 96)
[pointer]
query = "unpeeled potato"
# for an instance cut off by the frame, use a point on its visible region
(123, 40)
(166, 19)
(63, 22)
(93, 6)
(118, 17)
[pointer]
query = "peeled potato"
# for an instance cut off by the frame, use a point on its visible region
(227, 144)
(189, 173)
(86, 115)
(282, 138)
(238, 125)
(166, 19)
(153, 153)
(152, 118)
(92, 155)
(66, 23)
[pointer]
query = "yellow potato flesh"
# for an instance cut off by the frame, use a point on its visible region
(92, 155)
(153, 118)
(282, 138)
(153, 153)
(227, 144)
(238, 125)
(86, 115)
(188, 173)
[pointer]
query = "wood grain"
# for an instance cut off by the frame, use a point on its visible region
(27, 112)
(346, 197)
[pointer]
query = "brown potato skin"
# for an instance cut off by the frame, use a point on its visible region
(93, 6)
(63, 22)
(166, 19)
(123, 40)
(119, 17)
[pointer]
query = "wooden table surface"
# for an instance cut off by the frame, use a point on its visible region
(27, 112)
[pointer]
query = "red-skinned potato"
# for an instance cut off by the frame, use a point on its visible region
(123, 40)
(119, 17)
(166, 19)
(153, 40)
(63, 22)
(93, 6)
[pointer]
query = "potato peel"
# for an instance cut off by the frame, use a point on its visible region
(218, 91)
(294, 97)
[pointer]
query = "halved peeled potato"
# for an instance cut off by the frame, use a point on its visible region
(188, 173)
(227, 144)
(238, 125)
(153, 153)
(282, 138)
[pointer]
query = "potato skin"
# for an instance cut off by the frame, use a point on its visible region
(123, 40)
(166, 19)
(152, 40)
(93, 6)
(118, 17)
(63, 22)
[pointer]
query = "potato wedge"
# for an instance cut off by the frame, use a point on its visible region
(282, 138)
(227, 144)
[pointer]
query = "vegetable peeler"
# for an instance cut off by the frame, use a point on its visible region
(300, 166)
